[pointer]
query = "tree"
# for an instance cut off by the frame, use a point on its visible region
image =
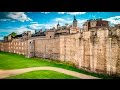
(13, 34)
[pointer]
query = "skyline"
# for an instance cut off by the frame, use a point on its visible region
(30, 21)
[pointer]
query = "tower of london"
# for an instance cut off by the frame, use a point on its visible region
(94, 47)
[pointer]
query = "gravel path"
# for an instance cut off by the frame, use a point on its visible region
(8, 73)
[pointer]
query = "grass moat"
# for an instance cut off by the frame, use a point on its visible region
(9, 61)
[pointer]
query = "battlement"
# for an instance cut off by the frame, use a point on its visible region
(95, 23)
(89, 25)
(95, 47)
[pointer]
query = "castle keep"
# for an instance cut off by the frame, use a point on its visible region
(95, 47)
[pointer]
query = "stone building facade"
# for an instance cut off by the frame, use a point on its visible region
(95, 48)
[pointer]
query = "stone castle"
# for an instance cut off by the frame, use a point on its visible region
(95, 47)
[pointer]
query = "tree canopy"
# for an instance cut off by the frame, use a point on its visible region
(13, 34)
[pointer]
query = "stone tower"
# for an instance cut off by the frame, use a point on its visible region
(29, 34)
(74, 22)
(58, 25)
(26, 35)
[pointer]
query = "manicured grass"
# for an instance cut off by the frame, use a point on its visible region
(15, 61)
(42, 74)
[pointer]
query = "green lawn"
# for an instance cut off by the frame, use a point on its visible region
(15, 61)
(42, 74)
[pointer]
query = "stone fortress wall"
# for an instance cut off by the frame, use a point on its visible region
(94, 48)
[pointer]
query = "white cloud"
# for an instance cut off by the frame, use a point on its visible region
(45, 12)
(23, 29)
(61, 12)
(68, 21)
(40, 26)
(54, 22)
(5, 20)
(76, 13)
(18, 30)
(35, 26)
(114, 20)
(81, 22)
(59, 19)
(20, 16)
(51, 25)
(1, 38)
(72, 13)
(62, 20)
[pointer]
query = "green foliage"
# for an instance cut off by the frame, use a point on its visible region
(13, 34)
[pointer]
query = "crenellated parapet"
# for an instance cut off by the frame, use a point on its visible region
(95, 47)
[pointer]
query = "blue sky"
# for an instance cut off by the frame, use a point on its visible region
(23, 21)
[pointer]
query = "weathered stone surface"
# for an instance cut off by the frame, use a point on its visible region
(95, 49)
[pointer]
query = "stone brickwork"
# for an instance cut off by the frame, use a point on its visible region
(99, 52)
(47, 48)
(96, 49)
(15, 46)
(96, 52)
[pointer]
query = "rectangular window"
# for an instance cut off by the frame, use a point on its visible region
(22, 43)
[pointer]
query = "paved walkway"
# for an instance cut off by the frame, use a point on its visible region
(8, 73)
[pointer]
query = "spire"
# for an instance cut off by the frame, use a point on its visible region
(74, 22)
(74, 19)
(58, 24)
